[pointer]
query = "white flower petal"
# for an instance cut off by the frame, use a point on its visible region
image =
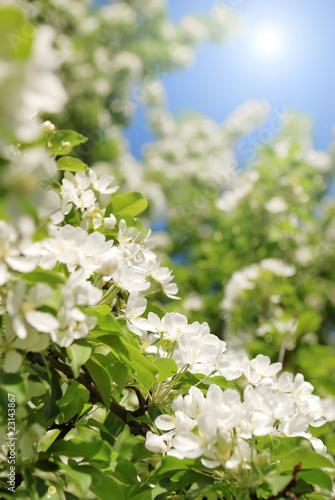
(43, 322)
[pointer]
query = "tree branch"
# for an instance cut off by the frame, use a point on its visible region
(85, 379)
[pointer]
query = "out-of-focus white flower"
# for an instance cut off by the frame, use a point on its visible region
(73, 325)
(77, 290)
(31, 87)
(247, 117)
(23, 309)
(12, 253)
(276, 205)
(27, 169)
(74, 247)
(320, 160)
(193, 302)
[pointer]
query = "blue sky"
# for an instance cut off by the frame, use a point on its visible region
(301, 77)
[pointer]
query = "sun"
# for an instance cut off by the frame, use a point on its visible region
(269, 42)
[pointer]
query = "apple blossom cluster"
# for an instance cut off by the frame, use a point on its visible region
(219, 426)
(192, 346)
(197, 147)
(246, 278)
(127, 263)
(27, 320)
(194, 148)
(238, 192)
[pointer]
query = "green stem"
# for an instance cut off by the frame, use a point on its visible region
(170, 386)
(109, 296)
(98, 280)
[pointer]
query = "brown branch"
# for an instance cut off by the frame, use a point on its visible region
(144, 404)
(85, 379)
(64, 428)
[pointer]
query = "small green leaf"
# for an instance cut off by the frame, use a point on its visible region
(78, 353)
(73, 401)
(103, 485)
(169, 464)
(309, 460)
(59, 139)
(102, 380)
(308, 321)
(166, 368)
(314, 496)
(105, 320)
(76, 447)
(277, 482)
(42, 276)
(72, 164)
(138, 365)
(119, 374)
(47, 439)
(155, 308)
(318, 477)
(129, 203)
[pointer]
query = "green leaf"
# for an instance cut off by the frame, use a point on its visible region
(114, 425)
(169, 464)
(52, 278)
(143, 495)
(318, 477)
(129, 203)
(138, 365)
(220, 381)
(101, 379)
(277, 482)
(314, 496)
(73, 401)
(125, 471)
(155, 308)
(166, 368)
(308, 321)
(330, 443)
(309, 460)
(103, 486)
(72, 164)
(105, 321)
(51, 409)
(60, 137)
(78, 353)
(119, 374)
(47, 439)
(76, 448)
(16, 34)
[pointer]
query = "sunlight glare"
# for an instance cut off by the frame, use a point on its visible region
(269, 42)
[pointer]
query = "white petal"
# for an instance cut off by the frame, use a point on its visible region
(19, 327)
(165, 422)
(22, 264)
(43, 322)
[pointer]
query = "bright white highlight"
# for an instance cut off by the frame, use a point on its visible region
(269, 42)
